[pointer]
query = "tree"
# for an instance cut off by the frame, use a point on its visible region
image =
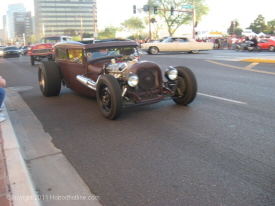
(108, 32)
(133, 25)
(238, 31)
(70, 32)
(178, 19)
(258, 25)
(234, 28)
(271, 27)
(87, 35)
(32, 39)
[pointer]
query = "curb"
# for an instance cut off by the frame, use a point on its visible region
(21, 184)
(50, 178)
(259, 60)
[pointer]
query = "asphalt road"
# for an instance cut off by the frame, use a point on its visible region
(219, 150)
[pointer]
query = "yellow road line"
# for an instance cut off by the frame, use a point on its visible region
(247, 68)
(250, 66)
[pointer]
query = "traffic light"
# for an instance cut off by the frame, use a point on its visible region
(172, 10)
(155, 9)
(135, 9)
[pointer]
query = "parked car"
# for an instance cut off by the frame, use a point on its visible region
(267, 44)
(176, 44)
(110, 70)
(45, 48)
(24, 50)
(11, 51)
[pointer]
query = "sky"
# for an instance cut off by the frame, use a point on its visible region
(221, 13)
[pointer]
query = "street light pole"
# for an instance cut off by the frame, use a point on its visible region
(81, 35)
(193, 20)
(150, 35)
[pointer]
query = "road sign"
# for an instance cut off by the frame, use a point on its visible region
(187, 6)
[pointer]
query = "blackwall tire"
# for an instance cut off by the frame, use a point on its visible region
(32, 60)
(49, 78)
(187, 85)
(108, 94)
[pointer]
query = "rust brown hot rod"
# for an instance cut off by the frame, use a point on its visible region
(111, 71)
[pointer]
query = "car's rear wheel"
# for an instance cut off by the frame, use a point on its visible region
(187, 86)
(153, 50)
(271, 48)
(49, 78)
(32, 60)
(108, 94)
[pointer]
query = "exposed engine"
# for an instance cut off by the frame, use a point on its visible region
(122, 67)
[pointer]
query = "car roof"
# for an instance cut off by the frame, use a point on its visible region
(97, 43)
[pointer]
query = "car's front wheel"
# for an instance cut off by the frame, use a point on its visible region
(49, 78)
(108, 94)
(187, 86)
(153, 50)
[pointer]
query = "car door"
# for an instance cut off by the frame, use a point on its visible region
(184, 44)
(70, 62)
(263, 44)
(169, 44)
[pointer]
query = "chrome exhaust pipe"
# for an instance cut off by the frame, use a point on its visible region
(87, 82)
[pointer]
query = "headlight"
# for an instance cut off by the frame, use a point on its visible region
(1, 52)
(29, 48)
(132, 80)
(171, 73)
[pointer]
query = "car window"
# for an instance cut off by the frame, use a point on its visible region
(103, 52)
(10, 48)
(50, 40)
(61, 54)
(182, 40)
(167, 40)
(75, 54)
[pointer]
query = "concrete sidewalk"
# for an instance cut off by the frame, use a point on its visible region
(32, 171)
(15, 181)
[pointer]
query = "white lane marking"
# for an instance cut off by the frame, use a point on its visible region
(221, 98)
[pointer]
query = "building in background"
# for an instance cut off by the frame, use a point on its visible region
(57, 17)
(19, 7)
(22, 25)
(3, 32)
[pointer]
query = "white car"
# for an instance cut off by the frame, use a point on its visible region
(176, 44)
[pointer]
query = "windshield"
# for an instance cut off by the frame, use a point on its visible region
(113, 51)
(10, 48)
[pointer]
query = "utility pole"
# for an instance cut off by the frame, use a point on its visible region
(24, 40)
(193, 20)
(81, 25)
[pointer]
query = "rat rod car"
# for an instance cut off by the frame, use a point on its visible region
(110, 70)
(45, 48)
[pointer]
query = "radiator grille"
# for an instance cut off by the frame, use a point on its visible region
(41, 51)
